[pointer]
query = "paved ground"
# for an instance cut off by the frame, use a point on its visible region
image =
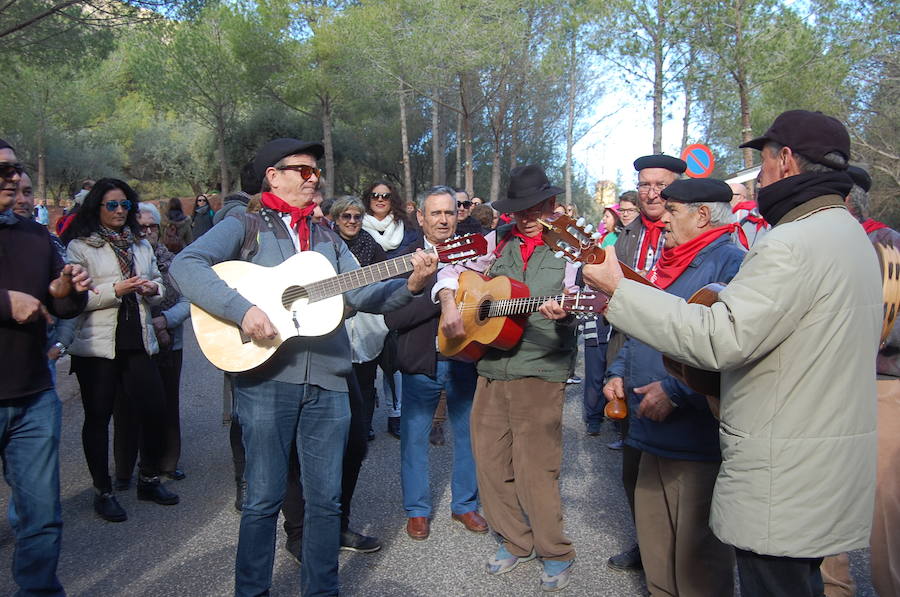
(188, 550)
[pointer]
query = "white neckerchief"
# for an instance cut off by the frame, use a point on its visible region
(387, 232)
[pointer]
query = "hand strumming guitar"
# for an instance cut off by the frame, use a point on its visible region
(451, 321)
(257, 325)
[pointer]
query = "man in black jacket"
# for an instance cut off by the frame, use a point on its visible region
(425, 374)
(30, 411)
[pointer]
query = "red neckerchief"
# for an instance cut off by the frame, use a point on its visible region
(652, 231)
(529, 244)
(298, 216)
(674, 261)
(871, 225)
(749, 207)
(746, 205)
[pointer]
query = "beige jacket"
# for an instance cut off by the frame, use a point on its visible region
(95, 328)
(795, 335)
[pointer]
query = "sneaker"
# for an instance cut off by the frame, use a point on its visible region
(107, 507)
(150, 489)
(240, 491)
(574, 379)
(353, 541)
(122, 484)
(556, 575)
(393, 426)
(436, 437)
(294, 548)
(616, 445)
(371, 434)
(629, 560)
(503, 561)
(592, 428)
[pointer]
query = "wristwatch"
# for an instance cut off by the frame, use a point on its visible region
(63, 349)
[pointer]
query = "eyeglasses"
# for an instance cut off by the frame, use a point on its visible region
(114, 205)
(379, 196)
(149, 228)
(464, 204)
(645, 187)
(347, 217)
(10, 169)
(627, 210)
(305, 171)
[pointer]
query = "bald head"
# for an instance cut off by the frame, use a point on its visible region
(739, 193)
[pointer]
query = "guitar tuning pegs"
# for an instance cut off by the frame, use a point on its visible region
(579, 221)
(588, 228)
(595, 236)
(559, 254)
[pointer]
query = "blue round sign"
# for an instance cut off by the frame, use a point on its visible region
(699, 159)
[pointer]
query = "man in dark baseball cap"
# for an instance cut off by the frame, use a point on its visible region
(813, 135)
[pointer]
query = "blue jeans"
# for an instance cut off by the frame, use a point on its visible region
(594, 370)
(272, 415)
(421, 394)
(29, 440)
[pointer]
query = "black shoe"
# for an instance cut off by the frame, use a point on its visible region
(394, 426)
(107, 507)
(371, 434)
(627, 560)
(240, 491)
(122, 484)
(353, 541)
(294, 548)
(151, 490)
(436, 437)
(176, 475)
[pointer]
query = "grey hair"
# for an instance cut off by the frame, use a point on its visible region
(346, 202)
(439, 190)
(149, 208)
(719, 212)
(837, 160)
(859, 202)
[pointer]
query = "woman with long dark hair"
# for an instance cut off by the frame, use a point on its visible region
(114, 339)
(386, 218)
(202, 220)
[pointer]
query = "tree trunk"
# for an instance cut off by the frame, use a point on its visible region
(404, 138)
(328, 143)
(223, 160)
(459, 143)
(41, 164)
(687, 120)
(570, 125)
(438, 167)
(514, 138)
(658, 79)
(467, 136)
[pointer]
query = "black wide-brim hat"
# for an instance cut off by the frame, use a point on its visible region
(270, 153)
(528, 186)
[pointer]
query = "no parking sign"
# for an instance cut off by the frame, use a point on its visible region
(699, 159)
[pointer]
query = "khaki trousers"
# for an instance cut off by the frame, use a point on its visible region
(836, 576)
(885, 540)
(516, 432)
(681, 555)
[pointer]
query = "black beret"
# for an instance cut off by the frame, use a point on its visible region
(269, 154)
(811, 134)
(860, 177)
(667, 162)
(698, 190)
(5, 145)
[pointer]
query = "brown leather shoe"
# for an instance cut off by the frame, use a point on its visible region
(472, 521)
(418, 527)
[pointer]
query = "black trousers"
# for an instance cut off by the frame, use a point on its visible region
(135, 374)
(127, 420)
(772, 576)
(366, 374)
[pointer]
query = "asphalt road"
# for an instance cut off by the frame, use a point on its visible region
(188, 550)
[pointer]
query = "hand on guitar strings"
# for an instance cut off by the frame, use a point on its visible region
(424, 265)
(552, 310)
(605, 276)
(451, 321)
(257, 325)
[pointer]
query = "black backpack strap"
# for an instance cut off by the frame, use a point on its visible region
(252, 225)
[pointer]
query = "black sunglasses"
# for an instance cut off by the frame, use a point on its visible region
(10, 169)
(305, 171)
(114, 205)
(465, 204)
(379, 195)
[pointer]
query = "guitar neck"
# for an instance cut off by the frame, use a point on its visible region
(360, 277)
(525, 305)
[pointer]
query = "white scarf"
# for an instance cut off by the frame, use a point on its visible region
(387, 232)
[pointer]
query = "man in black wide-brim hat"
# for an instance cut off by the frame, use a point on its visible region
(517, 414)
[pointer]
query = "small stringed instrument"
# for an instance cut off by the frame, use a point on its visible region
(302, 297)
(889, 262)
(494, 312)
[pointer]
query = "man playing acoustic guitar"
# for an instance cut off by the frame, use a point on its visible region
(516, 423)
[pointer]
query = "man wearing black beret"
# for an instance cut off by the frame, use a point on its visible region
(672, 428)
(795, 334)
(639, 246)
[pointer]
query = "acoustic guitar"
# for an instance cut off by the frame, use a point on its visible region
(494, 312)
(302, 297)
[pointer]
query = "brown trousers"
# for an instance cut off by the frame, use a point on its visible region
(516, 431)
(681, 555)
(885, 540)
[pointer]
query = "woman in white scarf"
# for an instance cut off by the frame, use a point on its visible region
(385, 218)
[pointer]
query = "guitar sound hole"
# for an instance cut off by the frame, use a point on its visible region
(292, 294)
(484, 311)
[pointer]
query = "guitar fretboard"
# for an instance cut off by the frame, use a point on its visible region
(521, 306)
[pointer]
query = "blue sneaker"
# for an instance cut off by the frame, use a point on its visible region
(556, 575)
(503, 561)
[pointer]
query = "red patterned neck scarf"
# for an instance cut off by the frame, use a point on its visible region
(745, 205)
(871, 225)
(675, 260)
(753, 218)
(528, 245)
(652, 232)
(299, 216)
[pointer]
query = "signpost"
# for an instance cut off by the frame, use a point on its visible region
(699, 159)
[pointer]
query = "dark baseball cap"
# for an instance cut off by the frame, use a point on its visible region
(811, 134)
(269, 154)
(860, 178)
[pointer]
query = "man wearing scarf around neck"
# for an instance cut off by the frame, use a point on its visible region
(30, 410)
(795, 335)
(516, 426)
(640, 245)
(747, 214)
(672, 426)
(300, 394)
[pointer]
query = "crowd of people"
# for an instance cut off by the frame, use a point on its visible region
(777, 475)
